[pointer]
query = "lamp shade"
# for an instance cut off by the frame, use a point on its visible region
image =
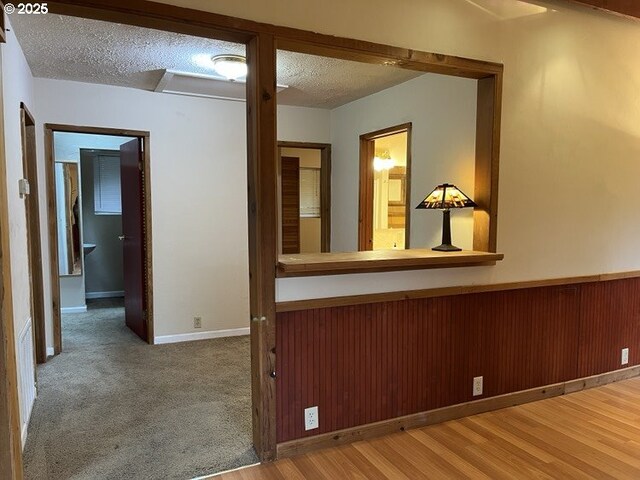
(446, 196)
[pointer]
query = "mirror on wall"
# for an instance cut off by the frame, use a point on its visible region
(414, 130)
(68, 218)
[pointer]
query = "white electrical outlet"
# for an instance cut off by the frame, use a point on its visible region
(477, 386)
(197, 322)
(310, 418)
(625, 356)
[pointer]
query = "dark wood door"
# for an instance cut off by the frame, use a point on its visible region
(290, 180)
(133, 232)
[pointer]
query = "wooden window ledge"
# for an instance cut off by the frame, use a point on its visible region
(307, 264)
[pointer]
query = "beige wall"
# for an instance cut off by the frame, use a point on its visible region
(570, 131)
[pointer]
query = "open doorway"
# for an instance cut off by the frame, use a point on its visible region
(99, 232)
(304, 197)
(385, 189)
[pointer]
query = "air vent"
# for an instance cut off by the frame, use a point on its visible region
(207, 86)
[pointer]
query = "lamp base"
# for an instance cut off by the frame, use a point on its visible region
(445, 247)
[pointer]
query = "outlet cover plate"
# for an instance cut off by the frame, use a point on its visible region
(197, 322)
(311, 418)
(477, 386)
(625, 356)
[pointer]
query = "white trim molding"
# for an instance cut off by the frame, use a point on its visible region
(114, 294)
(81, 309)
(50, 352)
(190, 337)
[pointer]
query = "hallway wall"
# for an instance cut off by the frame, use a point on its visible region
(18, 86)
(198, 193)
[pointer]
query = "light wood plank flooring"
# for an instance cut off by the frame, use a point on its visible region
(590, 434)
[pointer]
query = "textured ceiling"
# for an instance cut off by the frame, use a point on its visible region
(91, 51)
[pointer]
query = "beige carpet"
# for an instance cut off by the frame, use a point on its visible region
(112, 407)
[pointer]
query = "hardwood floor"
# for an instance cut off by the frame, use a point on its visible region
(590, 434)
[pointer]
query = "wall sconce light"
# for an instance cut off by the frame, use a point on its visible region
(445, 197)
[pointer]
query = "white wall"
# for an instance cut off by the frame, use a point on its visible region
(570, 127)
(198, 186)
(442, 111)
(17, 85)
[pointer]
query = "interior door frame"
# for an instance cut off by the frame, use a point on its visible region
(34, 242)
(49, 130)
(365, 205)
(325, 186)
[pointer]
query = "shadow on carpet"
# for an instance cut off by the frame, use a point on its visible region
(112, 407)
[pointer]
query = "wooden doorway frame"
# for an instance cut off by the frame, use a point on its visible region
(325, 187)
(34, 245)
(262, 40)
(10, 435)
(365, 205)
(49, 130)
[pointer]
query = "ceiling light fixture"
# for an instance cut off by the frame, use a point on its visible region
(231, 67)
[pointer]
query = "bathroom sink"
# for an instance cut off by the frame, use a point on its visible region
(88, 248)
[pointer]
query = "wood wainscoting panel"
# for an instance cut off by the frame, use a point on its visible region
(367, 363)
(610, 321)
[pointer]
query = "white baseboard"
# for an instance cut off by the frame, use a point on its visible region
(50, 352)
(114, 294)
(189, 337)
(81, 309)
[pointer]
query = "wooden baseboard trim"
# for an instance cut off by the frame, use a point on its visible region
(295, 305)
(431, 417)
(579, 384)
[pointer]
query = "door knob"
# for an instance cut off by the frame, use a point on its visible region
(121, 237)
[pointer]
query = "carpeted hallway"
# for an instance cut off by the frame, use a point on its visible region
(112, 407)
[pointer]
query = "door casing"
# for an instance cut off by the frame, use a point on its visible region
(49, 130)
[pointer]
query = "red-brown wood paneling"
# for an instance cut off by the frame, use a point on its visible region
(610, 321)
(365, 363)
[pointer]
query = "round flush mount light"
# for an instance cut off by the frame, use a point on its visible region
(230, 67)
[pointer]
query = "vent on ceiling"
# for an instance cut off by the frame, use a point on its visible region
(199, 85)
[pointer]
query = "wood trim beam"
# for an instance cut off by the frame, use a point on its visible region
(487, 165)
(32, 209)
(3, 33)
(200, 23)
(295, 305)
(262, 170)
(625, 8)
(53, 238)
(431, 417)
(117, 132)
(325, 199)
(10, 439)
(148, 236)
